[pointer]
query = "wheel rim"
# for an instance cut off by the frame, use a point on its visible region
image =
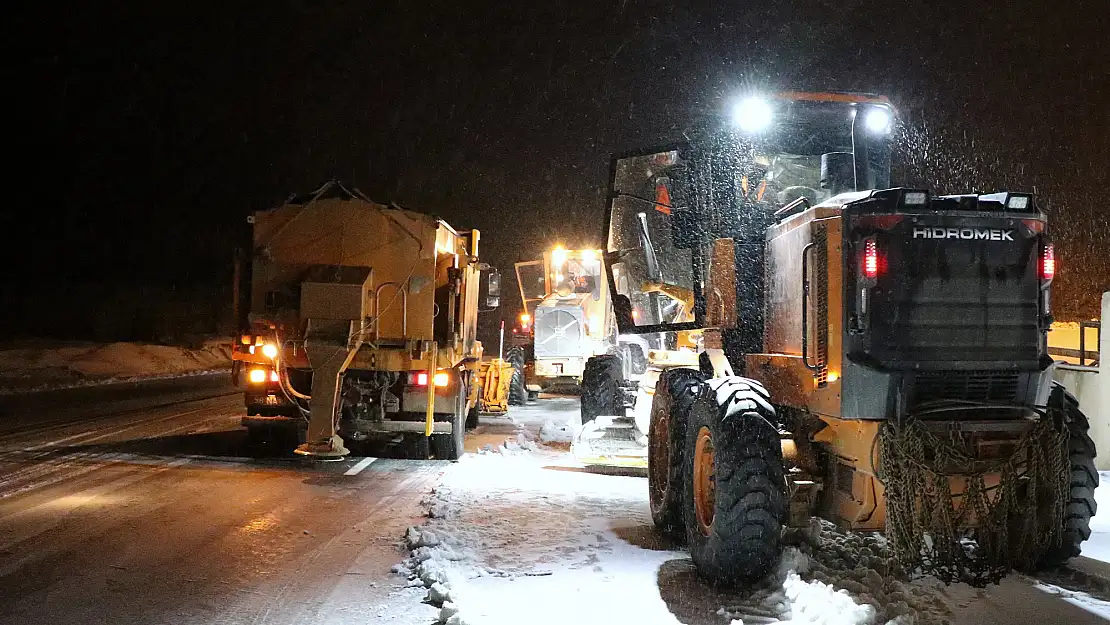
(705, 487)
(659, 453)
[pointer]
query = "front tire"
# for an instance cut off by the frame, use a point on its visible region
(518, 394)
(1081, 505)
(735, 488)
(675, 393)
(601, 391)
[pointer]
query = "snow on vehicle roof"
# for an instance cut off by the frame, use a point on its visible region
(837, 201)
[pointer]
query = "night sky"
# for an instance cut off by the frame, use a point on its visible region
(146, 131)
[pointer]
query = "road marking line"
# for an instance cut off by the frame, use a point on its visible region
(362, 464)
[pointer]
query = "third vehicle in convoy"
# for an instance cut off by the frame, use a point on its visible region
(567, 331)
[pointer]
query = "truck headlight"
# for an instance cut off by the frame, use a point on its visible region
(270, 351)
(257, 376)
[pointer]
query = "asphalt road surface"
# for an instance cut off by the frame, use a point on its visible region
(152, 510)
(147, 504)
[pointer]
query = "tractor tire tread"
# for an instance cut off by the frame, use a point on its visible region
(518, 392)
(750, 500)
(1081, 506)
(601, 392)
(681, 389)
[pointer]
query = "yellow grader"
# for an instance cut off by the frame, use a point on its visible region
(873, 355)
(567, 319)
(362, 326)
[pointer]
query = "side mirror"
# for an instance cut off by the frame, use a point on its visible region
(493, 289)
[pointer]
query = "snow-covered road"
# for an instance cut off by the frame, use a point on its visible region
(147, 504)
(523, 535)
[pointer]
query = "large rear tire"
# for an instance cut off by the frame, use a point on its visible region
(735, 488)
(518, 394)
(1081, 506)
(675, 393)
(601, 390)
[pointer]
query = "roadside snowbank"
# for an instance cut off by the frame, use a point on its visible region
(527, 537)
(33, 367)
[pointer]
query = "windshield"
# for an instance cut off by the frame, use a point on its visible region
(653, 276)
(531, 279)
(816, 151)
(576, 276)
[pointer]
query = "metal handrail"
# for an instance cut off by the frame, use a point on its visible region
(1083, 325)
(805, 308)
(792, 206)
(1083, 353)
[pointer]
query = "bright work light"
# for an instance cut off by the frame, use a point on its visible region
(558, 255)
(752, 114)
(878, 121)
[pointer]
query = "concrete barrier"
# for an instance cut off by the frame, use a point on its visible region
(1091, 386)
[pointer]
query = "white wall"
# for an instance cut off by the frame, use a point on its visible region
(1091, 386)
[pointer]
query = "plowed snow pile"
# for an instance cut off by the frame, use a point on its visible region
(35, 367)
(524, 539)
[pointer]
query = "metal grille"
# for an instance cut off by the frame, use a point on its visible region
(985, 386)
(558, 332)
(821, 302)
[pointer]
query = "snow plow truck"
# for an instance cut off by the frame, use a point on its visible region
(360, 326)
(567, 319)
(872, 355)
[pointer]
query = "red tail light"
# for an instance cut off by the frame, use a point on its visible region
(1048, 262)
(440, 379)
(870, 259)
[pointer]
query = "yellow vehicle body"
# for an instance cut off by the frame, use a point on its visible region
(363, 317)
(491, 393)
(567, 312)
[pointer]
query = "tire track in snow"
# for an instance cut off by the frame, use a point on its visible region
(61, 465)
(63, 422)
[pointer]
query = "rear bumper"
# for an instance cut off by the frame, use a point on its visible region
(869, 393)
(560, 367)
(381, 427)
(273, 421)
